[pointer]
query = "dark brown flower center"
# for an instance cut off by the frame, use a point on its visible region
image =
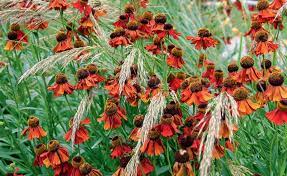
(79, 44)
(256, 25)
(138, 121)
(166, 119)
(116, 141)
(233, 67)
(53, 145)
(82, 73)
(160, 18)
(261, 36)
(124, 161)
(261, 86)
(218, 74)
(262, 5)
(177, 52)
(203, 32)
(61, 36)
(240, 94)
(144, 21)
(122, 17)
(172, 108)
(85, 168)
(61, 78)
(186, 142)
(148, 15)
(246, 62)
(92, 68)
(276, 79)
(129, 8)
(111, 109)
(153, 82)
(77, 161)
(196, 86)
(40, 148)
(266, 64)
(33, 121)
(12, 35)
(181, 156)
(167, 27)
(132, 25)
(153, 134)
(229, 82)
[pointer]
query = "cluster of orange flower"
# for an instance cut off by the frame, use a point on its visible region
(196, 90)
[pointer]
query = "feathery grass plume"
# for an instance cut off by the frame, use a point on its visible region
(174, 96)
(223, 106)
(154, 112)
(50, 61)
(238, 170)
(99, 31)
(82, 108)
(142, 74)
(125, 72)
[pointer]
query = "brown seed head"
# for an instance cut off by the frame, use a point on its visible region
(203, 32)
(261, 36)
(246, 62)
(276, 79)
(240, 94)
(61, 78)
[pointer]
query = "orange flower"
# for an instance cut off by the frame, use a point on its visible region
(86, 26)
(82, 134)
(218, 151)
(36, 23)
(145, 167)
(204, 39)
(123, 163)
(277, 4)
(56, 154)
(175, 58)
(77, 161)
(217, 78)
(224, 131)
(276, 90)
(248, 73)
(118, 38)
(87, 170)
(13, 43)
(157, 47)
(245, 105)
(153, 88)
(34, 130)
(173, 109)
(265, 14)
(195, 94)
(85, 82)
(39, 150)
(153, 145)
(62, 86)
(58, 4)
(267, 68)
(168, 31)
(167, 127)
(138, 122)
(279, 115)
(182, 166)
(119, 148)
(229, 85)
(146, 23)
(260, 96)
(175, 81)
(133, 31)
(93, 70)
(160, 20)
(112, 116)
(83, 7)
(209, 71)
(232, 70)
(263, 46)
(62, 169)
(63, 44)
(255, 27)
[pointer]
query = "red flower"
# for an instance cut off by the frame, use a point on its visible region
(21, 36)
(255, 27)
(133, 31)
(62, 169)
(175, 82)
(118, 38)
(119, 148)
(168, 31)
(182, 164)
(159, 20)
(167, 127)
(175, 58)
(145, 167)
(85, 82)
(93, 74)
(157, 47)
(263, 46)
(153, 88)
(276, 91)
(218, 151)
(39, 150)
(122, 22)
(36, 23)
(86, 26)
(217, 79)
(87, 170)
(265, 14)
(279, 115)
(233, 70)
(173, 109)
(249, 72)
(112, 116)
(58, 4)
(82, 134)
(83, 7)
(209, 71)
(135, 133)
(13, 43)
(34, 130)
(64, 43)
(146, 23)
(153, 145)
(229, 85)
(62, 86)
(56, 154)
(204, 39)
(77, 161)
(277, 4)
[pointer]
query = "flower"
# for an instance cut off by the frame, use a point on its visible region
(13, 43)
(132, 31)
(255, 27)
(182, 165)
(21, 36)
(217, 78)
(81, 134)
(58, 4)
(153, 88)
(39, 150)
(265, 14)
(204, 39)
(61, 86)
(224, 131)
(260, 96)
(145, 167)
(157, 47)
(37, 23)
(173, 109)
(279, 115)
(83, 6)
(87, 170)
(276, 91)
(119, 148)
(146, 23)
(167, 127)
(62, 169)
(93, 70)
(168, 31)
(34, 130)
(248, 73)
(218, 151)
(56, 154)
(85, 82)
(124, 160)
(77, 161)
(160, 20)
(138, 122)
(153, 145)
(86, 26)
(277, 4)
(118, 38)
(175, 81)
(209, 71)
(122, 22)
(267, 68)
(195, 94)
(113, 86)
(232, 70)
(229, 85)
(263, 46)
(112, 116)
(63, 44)
(175, 58)
(245, 105)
